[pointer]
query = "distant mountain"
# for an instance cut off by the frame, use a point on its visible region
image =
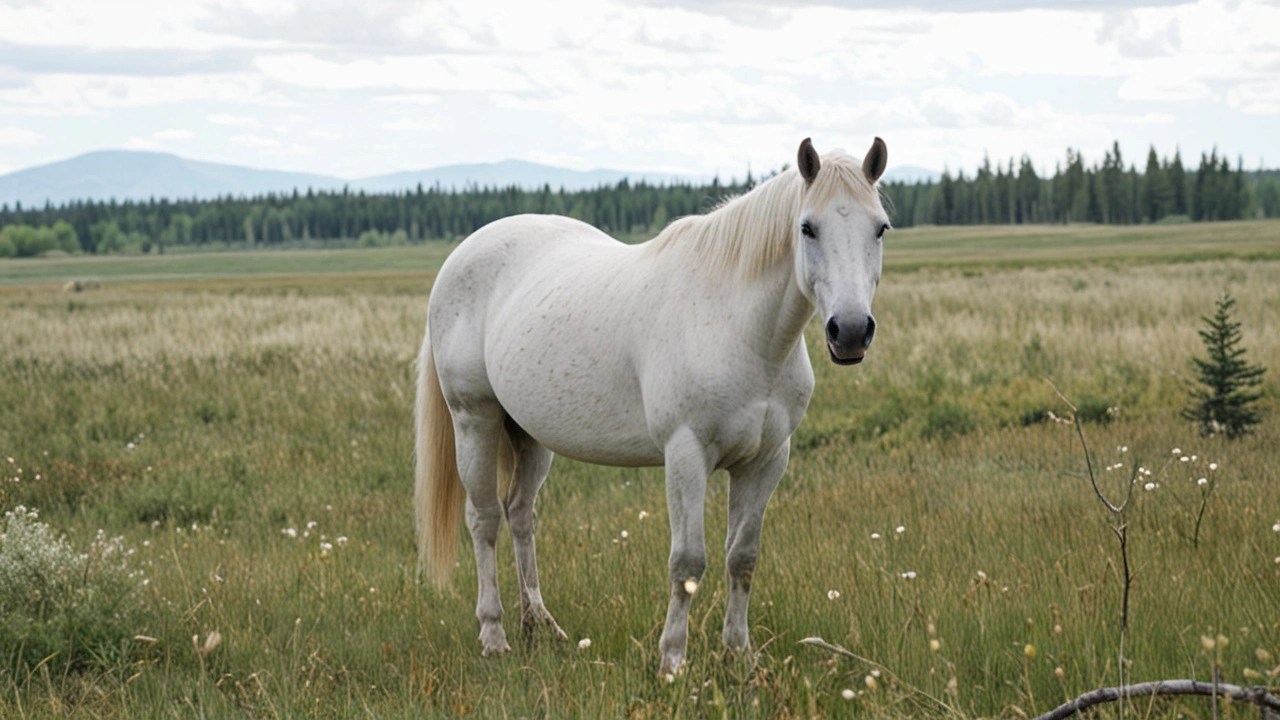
(510, 172)
(137, 175)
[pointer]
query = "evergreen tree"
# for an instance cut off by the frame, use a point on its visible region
(1157, 192)
(1178, 181)
(1223, 401)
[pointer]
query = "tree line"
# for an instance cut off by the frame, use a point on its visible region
(1106, 192)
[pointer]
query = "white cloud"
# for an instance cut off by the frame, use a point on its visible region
(12, 135)
(664, 83)
(407, 125)
(233, 120)
(256, 141)
(471, 73)
(1260, 98)
(1159, 87)
(140, 143)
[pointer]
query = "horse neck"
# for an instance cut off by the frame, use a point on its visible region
(759, 280)
(745, 251)
(780, 310)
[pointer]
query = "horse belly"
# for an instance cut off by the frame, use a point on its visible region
(584, 415)
(570, 386)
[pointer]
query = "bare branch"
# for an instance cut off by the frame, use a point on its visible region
(1257, 695)
(820, 643)
(1088, 458)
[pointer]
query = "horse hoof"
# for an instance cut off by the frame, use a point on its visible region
(496, 650)
(536, 617)
(672, 665)
(494, 640)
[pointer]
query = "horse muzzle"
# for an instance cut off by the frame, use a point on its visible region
(847, 342)
(847, 359)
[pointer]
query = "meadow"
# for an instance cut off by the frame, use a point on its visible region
(243, 422)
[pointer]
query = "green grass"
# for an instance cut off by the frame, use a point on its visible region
(990, 246)
(201, 418)
(226, 264)
(1059, 245)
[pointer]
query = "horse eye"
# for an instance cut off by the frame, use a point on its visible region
(807, 230)
(883, 229)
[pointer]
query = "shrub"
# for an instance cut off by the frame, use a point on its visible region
(27, 241)
(1091, 408)
(946, 420)
(78, 609)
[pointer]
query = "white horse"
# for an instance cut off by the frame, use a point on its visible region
(544, 335)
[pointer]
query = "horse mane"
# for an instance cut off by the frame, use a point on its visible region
(748, 234)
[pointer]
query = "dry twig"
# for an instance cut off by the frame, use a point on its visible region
(1257, 695)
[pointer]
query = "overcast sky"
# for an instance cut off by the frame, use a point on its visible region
(367, 87)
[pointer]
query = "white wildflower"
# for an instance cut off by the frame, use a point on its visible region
(833, 594)
(1177, 451)
(847, 694)
(1149, 486)
(623, 534)
(290, 532)
(690, 586)
(909, 575)
(584, 643)
(900, 529)
(875, 536)
(643, 514)
(341, 540)
(1202, 482)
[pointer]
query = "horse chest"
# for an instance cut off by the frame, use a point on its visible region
(736, 413)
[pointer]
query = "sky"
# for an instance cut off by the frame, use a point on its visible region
(361, 88)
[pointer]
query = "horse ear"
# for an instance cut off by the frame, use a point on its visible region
(873, 164)
(808, 162)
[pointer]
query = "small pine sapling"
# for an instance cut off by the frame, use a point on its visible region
(1223, 400)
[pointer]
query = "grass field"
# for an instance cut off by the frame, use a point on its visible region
(243, 421)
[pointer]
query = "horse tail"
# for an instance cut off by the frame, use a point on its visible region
(438, 494)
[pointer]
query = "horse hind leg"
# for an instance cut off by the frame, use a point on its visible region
(477, 437)
(532, 463)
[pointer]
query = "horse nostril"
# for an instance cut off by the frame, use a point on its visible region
(871, 332)
(833, 331)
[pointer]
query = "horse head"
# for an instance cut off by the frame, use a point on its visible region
(838, 239)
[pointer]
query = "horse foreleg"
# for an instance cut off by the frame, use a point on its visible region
(476, 444)
(750, 488)
(687, 471)
(531, 470)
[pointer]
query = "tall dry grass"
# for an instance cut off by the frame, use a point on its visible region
(233, 432)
